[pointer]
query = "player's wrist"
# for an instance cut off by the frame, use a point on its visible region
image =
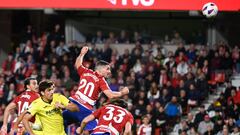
(81, 54)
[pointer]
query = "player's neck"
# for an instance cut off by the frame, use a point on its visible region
(99, 73)
(28, 90)
(46, 100)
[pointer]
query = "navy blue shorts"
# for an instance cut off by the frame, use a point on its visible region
(77, 117)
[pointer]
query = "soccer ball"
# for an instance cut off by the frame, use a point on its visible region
(210, 9)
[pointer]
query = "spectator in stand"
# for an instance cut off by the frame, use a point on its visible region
(8, 65)
(165, 97)
(173, 110)
(163, 78)
(154, 93)
(182, 69)
(235, 131)
(140, 109)
(190, 120)
(111, 38)
(218, 125)
(183, 101)
(137, 37)
(98, 39)
(160, 119)
(62, 49)
(200, 115)
(181, 127)
(107, 52)
(57, 34)
(11, 92)
(177, 39)
(204, 125)
(145, 128)
(114, 86)
(224, 131)
(123, 38)
(215, 62)
(193, 96)
(180, 48)
(236, 59)
(74, 48)
(209, 130)
(191, 53)
(3, 90)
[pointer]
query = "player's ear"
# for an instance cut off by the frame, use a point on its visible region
(28, 87)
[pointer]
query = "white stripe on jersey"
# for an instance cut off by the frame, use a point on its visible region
(85, 98)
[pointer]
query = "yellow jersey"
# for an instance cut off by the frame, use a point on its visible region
(51, 118)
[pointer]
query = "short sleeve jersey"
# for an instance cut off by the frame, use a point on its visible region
(112, 118)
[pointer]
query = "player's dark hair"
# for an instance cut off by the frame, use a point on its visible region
(45, 84)
(119, 102)
(27, 81)
(101, 63)
(145, 116)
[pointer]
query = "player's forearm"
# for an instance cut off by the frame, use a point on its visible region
(6, 115)
(79, 60)
(115, 95)
(128, 129)
(26, 124)
(112, 94)
(83, 125)
(5, 118)
(19, 119)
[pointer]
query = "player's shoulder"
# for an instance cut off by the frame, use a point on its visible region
(37, 101)
(58, 96)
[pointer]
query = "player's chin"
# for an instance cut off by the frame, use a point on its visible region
(108, 75)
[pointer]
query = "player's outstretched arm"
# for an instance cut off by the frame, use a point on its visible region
(7, 111)
(26, 124)
(79, 59)
(111, 94)
(84, 123)
(71, 106)
(128, 129)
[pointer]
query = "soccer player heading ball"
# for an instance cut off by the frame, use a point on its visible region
(91, 84)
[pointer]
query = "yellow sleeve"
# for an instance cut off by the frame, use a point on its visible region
(33, 108)
(62, 99)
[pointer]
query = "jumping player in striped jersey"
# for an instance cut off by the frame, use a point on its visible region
(91, 84)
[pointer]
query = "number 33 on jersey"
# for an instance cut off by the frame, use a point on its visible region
(112, 119)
